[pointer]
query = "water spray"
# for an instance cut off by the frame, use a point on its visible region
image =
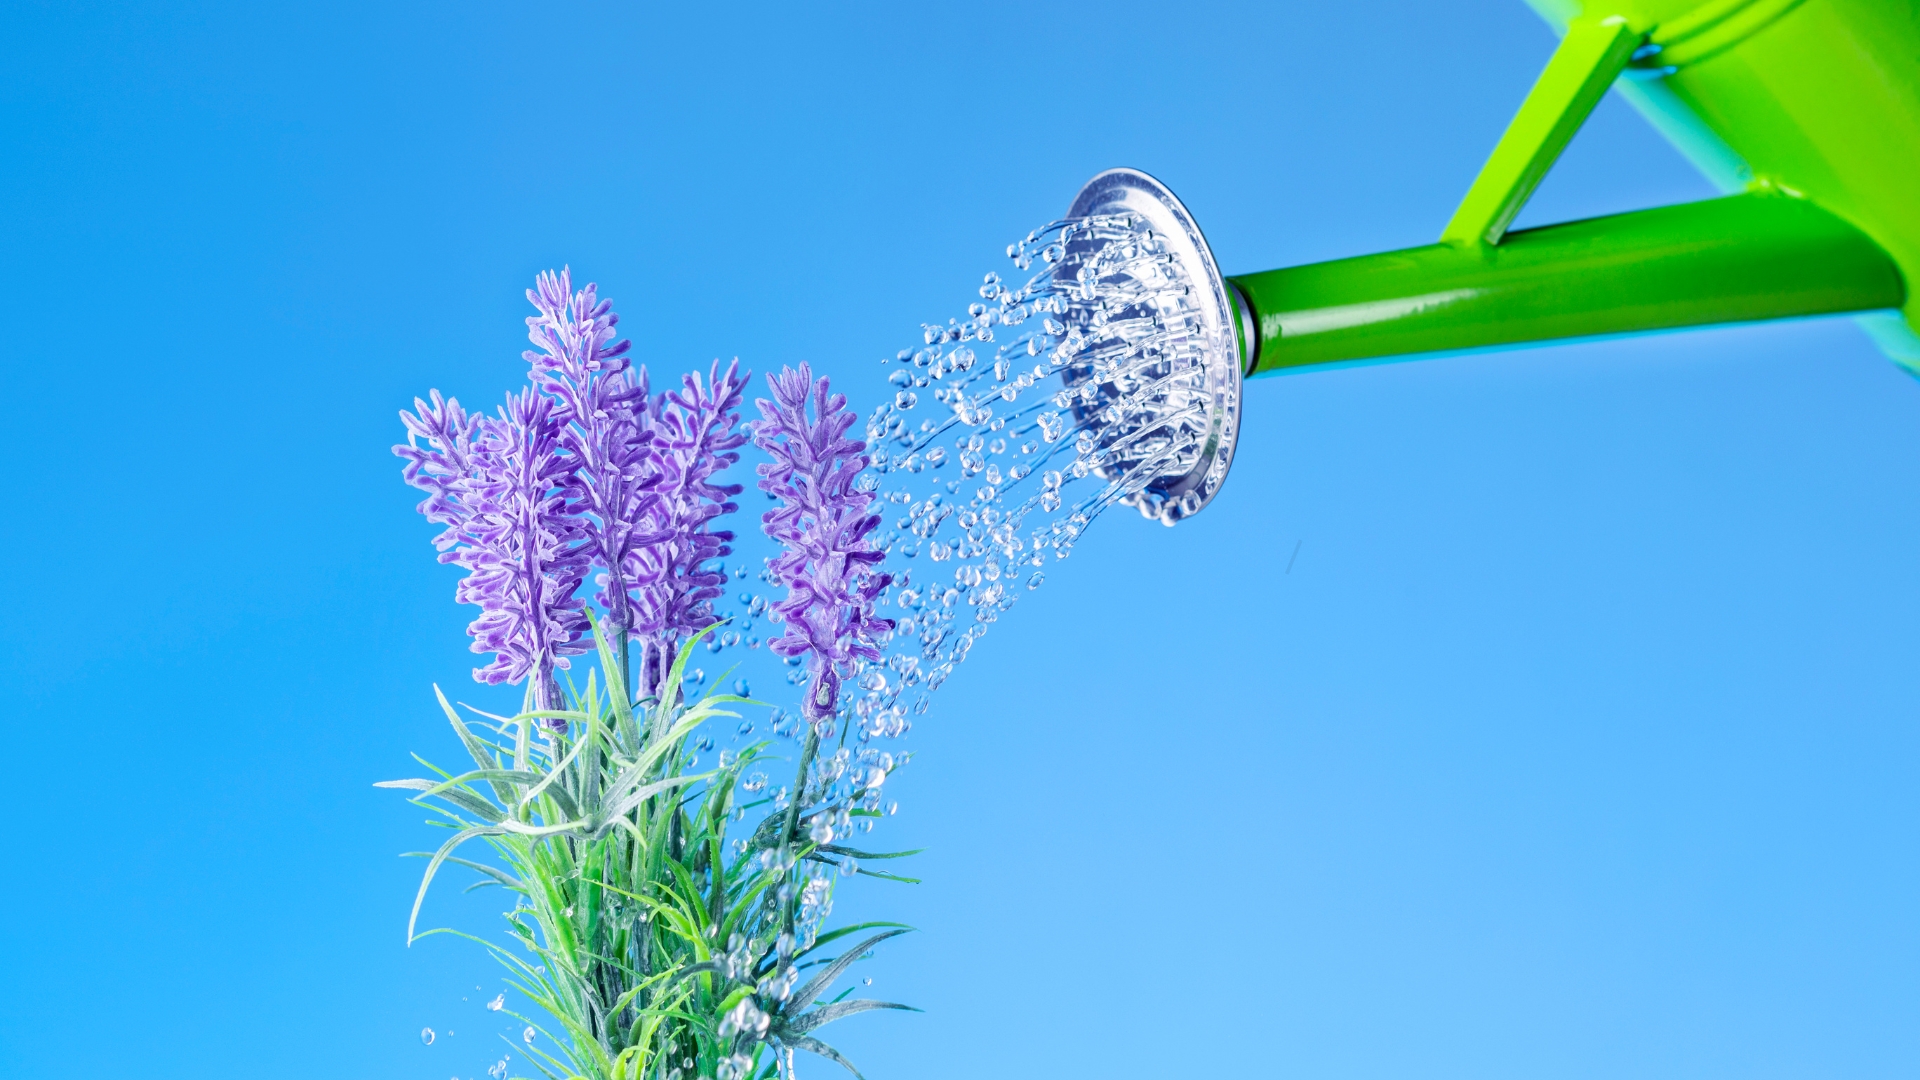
(1108, 371)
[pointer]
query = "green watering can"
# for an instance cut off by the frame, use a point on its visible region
(1803, 112)
(1806, 113)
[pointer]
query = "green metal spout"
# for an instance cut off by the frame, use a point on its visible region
(1764, 255)
(1811, 110)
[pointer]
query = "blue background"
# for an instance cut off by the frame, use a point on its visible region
(1579, 741)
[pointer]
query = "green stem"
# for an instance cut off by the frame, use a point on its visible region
(626, 671)
(793, 818)
(521, 735)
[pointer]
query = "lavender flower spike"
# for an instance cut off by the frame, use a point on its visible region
(603, 420)
(695, 434)
(828, 566)
(444, 468)
(498, 485)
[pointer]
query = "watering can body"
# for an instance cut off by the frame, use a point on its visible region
(1805, 112)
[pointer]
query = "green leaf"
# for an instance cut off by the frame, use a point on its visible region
(433, 867)
(669, 689)
(805, 995)
(498, 875)
(559, 768)
(619, 852)
(476, 749)
(815, 1046)
(647, 791)
(465, 799)
(855, 853)
(511, 776)
(834, 935)
(884, 876)
(704, 967)
(609, 663)
(827, 1014)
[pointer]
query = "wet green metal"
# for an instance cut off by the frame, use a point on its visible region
(1811, 107)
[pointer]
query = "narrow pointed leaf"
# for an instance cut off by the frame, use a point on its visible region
(827, 1014)
(475, 748)
(855, 853)
(433, 867)
(805, 995)
(815, 1046)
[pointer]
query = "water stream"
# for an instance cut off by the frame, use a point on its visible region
(1005, 434)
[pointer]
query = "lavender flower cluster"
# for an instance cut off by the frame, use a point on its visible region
(587, 472)
(829, 567)
(495, 483)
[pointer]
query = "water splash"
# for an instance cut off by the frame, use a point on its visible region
(1097, 398)
(1006, 434)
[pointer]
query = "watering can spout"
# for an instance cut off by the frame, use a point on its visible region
(1807, 115)
(1764, 255)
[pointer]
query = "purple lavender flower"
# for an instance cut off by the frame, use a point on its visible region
(604, 419)
(590, 471)
(828, 565)
(444, 468)
(695, 432)
(498, 484)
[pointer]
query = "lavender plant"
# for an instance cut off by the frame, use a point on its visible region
(669, 921)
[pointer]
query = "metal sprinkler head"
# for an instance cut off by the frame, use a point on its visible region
(1168, 339)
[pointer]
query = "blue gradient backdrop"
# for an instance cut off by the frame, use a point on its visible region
(1579, 741)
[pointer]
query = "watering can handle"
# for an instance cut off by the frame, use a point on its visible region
(1590, 56)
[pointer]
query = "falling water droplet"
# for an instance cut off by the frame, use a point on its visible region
(426, 1036)
(498, 1003)
(527, 1036)
(1111, 346)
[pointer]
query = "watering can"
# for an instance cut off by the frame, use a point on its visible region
(1805, 113)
